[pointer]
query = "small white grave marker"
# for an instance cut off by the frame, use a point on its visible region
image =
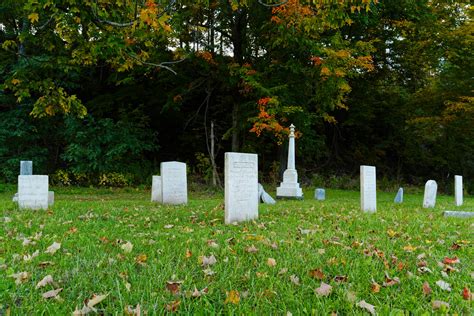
(429, 199)
(174, 185)
(156, 190)
(241, 187)
(368, 190)
(33, 192)
(458, 190)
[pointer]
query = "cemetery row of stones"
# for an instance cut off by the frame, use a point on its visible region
(243, 193)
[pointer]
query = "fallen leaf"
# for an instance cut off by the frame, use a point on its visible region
(252, 249)
(173, 306)
(188, 253)
(233, 297)
(141, 259)
(316, 274)
(45, 281)
(96, 299)
(209, 261)
(53, 248)
(455, 246)
(451, 260)
(409, 248)
(127, 247)
(424, 270)
(133, 311)
(208, 272)
(368, 307)
(212, 244)
(444, 285)
(169, 226)
(52, 293)
(375, 287)
(196, 293)
(173, 286)
(389, 281)
(323, 290)
(426, 288)
(466, 294)
(28, 258)
(340, 278)
(20, 277)
(294, 279)
(271, 262)
(439, 304)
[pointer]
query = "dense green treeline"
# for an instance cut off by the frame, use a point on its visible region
(102, 91)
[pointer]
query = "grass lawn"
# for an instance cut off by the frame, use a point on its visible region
(382, 258)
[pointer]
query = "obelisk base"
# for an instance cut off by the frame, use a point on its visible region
(290, 188)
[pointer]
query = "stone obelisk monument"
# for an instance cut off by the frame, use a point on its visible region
(290, 188)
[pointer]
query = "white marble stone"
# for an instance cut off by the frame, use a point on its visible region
(26, 168)
(399, 197)
(50, 198)
(458, 198)
(459, 214)
(33, 192)
(241, 187)
(290, 188)
(156, 190)
(368, 189)
(320, 194)
(429, 199)
(174, 185)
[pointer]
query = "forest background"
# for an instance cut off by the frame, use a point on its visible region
(99, 92)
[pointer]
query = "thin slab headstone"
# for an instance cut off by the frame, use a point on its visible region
(458, 198)
(458, 214)
(264, 197)
(156, 189)
(174, 184)
(368, 189)
(241, 187)
(399, 196)
(26, 168)
(50, 198)
(320, 194)
(33, 192)
(429, 199)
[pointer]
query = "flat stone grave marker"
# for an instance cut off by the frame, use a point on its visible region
(320, 194)
(429, 199)
(368, 189)
(459, 214)
(399, 196)
(26, 168)
(174, 185)
(156, 189)
(33, 192)
(458, 190)
(241, 187)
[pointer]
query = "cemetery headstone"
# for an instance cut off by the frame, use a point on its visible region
(320, 194)
(263, 196)
(429, 199)
(459, 214)
(33, 192)
(458, 190)
(290, 188)
(26, 168)
(368, 189)
(50, 198)
(399, 196)
(156, 190)
(174, 185)
(241, 187)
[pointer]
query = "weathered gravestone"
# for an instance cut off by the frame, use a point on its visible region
(290, 188)
(429, 199)
(156, 190)
(458, 214)
(320, 194)
(264, 196)
(174, 185)
(399, 196)
(241, 187)
(50, 198)
(458, 190)
(368, 189)
(26, 168)
(33, 192)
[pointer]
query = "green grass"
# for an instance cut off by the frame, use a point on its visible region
(91, 259)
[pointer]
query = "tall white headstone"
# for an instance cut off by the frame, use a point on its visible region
(241, 187)
(458, 190)
(156, 190)
(174, 185)
(290, 188)
(429, 199)
(368, 189)
(33, 192)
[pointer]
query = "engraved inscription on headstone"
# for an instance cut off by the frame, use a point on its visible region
(174, 183)
(156, 190)
(429, 199)
(26, 168)
(458, 190)
(368, 190)
(241, 187)
(33, 192)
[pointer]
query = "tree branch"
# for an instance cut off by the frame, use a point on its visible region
(160, 65)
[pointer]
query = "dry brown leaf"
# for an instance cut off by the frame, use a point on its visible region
(20, 277)
(294, 279)
(53, 248)
(439, 304)
(233, 297)
(466, 294)
(173, 306)
(368, 307)
(426, 288)
(96, 299)
(52, 293)
(340, 278)
(283, 271)
(141, 259)
(173, 286)
(45, 281)
(323, 290)
(209, 261)
(375, 287)
(271, 262)
(453, 260)
(133, 311)
(127, 247)
(252, 249)
(188, 254)
(316, 274)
